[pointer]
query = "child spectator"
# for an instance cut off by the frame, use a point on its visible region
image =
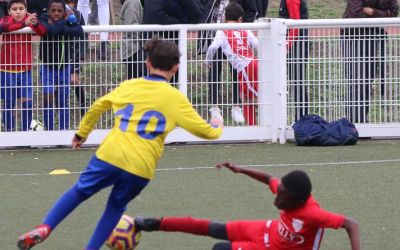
(16, 63)
(78, 88)
(237, 46)
(58, 52)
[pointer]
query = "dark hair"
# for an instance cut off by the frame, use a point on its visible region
(161, 53)
(11, 2)
(298, 184)
(233, 12)
(56, 1)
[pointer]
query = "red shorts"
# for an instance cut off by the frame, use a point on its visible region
(249, 235)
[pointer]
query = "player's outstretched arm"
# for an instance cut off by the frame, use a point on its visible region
(253, 173)
(352, 228)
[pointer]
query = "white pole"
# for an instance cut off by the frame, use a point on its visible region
(183, 60)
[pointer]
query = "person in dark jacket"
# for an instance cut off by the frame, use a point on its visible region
(297, 56)
(168, 12)
(3, 8)
(79, 90)
(172, 12)
(37, 6)
(58, 54)
(362, 49)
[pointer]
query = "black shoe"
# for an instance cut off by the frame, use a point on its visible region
(147, 224)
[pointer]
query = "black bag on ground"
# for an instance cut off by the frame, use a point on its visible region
(312, 130)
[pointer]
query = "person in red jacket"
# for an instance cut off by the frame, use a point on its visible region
(300, 225)
(16, 63)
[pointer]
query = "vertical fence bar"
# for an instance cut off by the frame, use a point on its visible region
(183, 80)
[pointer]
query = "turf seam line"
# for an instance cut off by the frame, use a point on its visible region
(254, 165)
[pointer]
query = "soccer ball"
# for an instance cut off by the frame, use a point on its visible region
(36, 126)
(124, 236)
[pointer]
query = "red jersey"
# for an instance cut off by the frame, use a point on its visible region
(236, 45)
(301, 228)
(16, 49)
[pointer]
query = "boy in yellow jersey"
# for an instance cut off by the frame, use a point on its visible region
(128, 156)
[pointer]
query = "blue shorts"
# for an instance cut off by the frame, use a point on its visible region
(16, 85)
(53, 77)
(99, 175)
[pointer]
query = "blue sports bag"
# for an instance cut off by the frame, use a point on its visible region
(312, 130)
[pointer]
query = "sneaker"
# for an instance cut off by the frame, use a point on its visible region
(36, 236)
(147, 224)
(216, 113)
(237, 114)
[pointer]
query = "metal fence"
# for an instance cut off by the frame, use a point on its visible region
(347, 68)
(333, 68)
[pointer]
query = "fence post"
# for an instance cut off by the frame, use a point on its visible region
(182, 80)
(278, 76)
(265, 86)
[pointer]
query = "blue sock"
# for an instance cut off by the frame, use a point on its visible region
(8, 115)
(64, 206)
(26, 115)
(107, 223)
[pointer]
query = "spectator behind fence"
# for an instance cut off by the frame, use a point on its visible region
(103, 8)
(58, 52)
(168, 12)
(362, 49)
(214, 13)
(297, 56)
(37, 6)
(16, 63)
(83, 45)
(132, 13)
(3, 8)
(237, 46)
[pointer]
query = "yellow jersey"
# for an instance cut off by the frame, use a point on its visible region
(146, 110)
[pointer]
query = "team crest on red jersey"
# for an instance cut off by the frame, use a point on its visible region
(297, 225)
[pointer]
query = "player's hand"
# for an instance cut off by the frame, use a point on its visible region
(229, 165)
(77, 141)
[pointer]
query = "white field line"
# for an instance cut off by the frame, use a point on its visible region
(364, 163)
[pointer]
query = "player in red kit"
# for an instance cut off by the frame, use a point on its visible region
(237, 46)
(300, 226)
